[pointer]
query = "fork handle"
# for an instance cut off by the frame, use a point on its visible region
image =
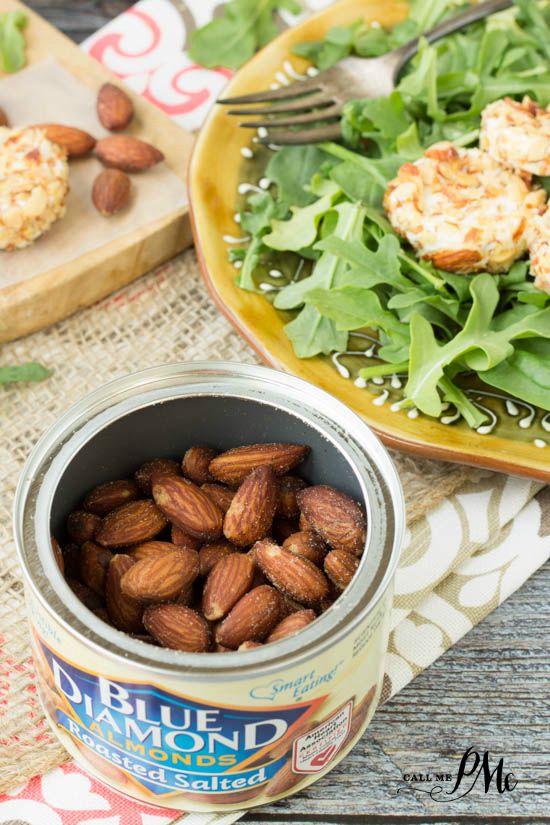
(459, 21)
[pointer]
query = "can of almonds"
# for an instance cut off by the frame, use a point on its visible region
(280, 697)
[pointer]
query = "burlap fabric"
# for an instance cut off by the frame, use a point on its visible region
(165, 316)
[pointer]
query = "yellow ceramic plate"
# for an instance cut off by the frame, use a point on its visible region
(519, 439)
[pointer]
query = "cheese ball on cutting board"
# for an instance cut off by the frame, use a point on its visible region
(517, 135)
(539, 250)
(34, 182)
(462, 210)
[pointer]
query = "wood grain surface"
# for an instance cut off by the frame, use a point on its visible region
(491, 691)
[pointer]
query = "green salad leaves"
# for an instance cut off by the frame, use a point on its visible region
(324, 211)
(231, 38)
(12, 41)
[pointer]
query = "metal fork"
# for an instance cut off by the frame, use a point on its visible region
(320, 99)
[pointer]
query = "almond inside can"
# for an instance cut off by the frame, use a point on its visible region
(194, 731)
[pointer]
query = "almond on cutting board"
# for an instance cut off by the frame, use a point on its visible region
(3, 118)
(115, 110)
(76, 142)
(127, 153)
(111, 192)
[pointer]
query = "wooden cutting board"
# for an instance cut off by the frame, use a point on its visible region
(34, 302)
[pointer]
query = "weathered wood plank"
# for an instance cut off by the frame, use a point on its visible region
(491, 691)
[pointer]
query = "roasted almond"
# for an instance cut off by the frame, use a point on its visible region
(308, 544)
(186, 505)
(161, 578)
(58, 555)
(251, 512)
(335, 516)
(157, 467)
(82, 526)
(340, 567)
(289, 487)
(152, 549)
(127, 153)
(220, 495)
(133, 523)
(291, 624)
(124, 612)
(111, 192)
(177, 627)
(76, 142)
(71, 560)
(115, 110)
(249, 646)
(94, 561)
(251, 619)
(110, 495)
(196, 462)
(183, 539)
(3, 118)
(294, 575)
(86, 595)
(234, 465)
(211, 553)
(226, 583)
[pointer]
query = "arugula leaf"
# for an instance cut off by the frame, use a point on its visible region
(312, 334)
(291, 170)
(232, 38)
(257, 221)
(31, 371)
(12, 41)
(525, 374)
(301, 230)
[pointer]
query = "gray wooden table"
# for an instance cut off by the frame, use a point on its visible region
(491, 691)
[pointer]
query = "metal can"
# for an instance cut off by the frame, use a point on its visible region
(207, 732)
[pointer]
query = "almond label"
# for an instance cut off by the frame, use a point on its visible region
(166, 742)
(316, 749)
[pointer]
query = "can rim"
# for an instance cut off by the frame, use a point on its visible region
(108, 403)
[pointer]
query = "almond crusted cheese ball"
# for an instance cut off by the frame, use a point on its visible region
(462, 210)
(538, 236)
(517, 135)
(34, 183)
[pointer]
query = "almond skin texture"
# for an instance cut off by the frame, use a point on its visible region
(76, 142)
(82, 526)
(233, 466)
(308, 544)
(291, 624)
(127, 153)
(183, 539)
(152, 549)
(124, 612)
(132, 523)
(186, 505)
(220, 495)
(251, 513)
(94, 561)
(111, 192)
(107, 497)
(252, 618)
(115, 110)
(210, 554)
(196, 462)
(177, 627)
(340, 567)
(157, 467)
(230, 579)
(335, 516)
(289, 487)
(294, 575)
(161, 578)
